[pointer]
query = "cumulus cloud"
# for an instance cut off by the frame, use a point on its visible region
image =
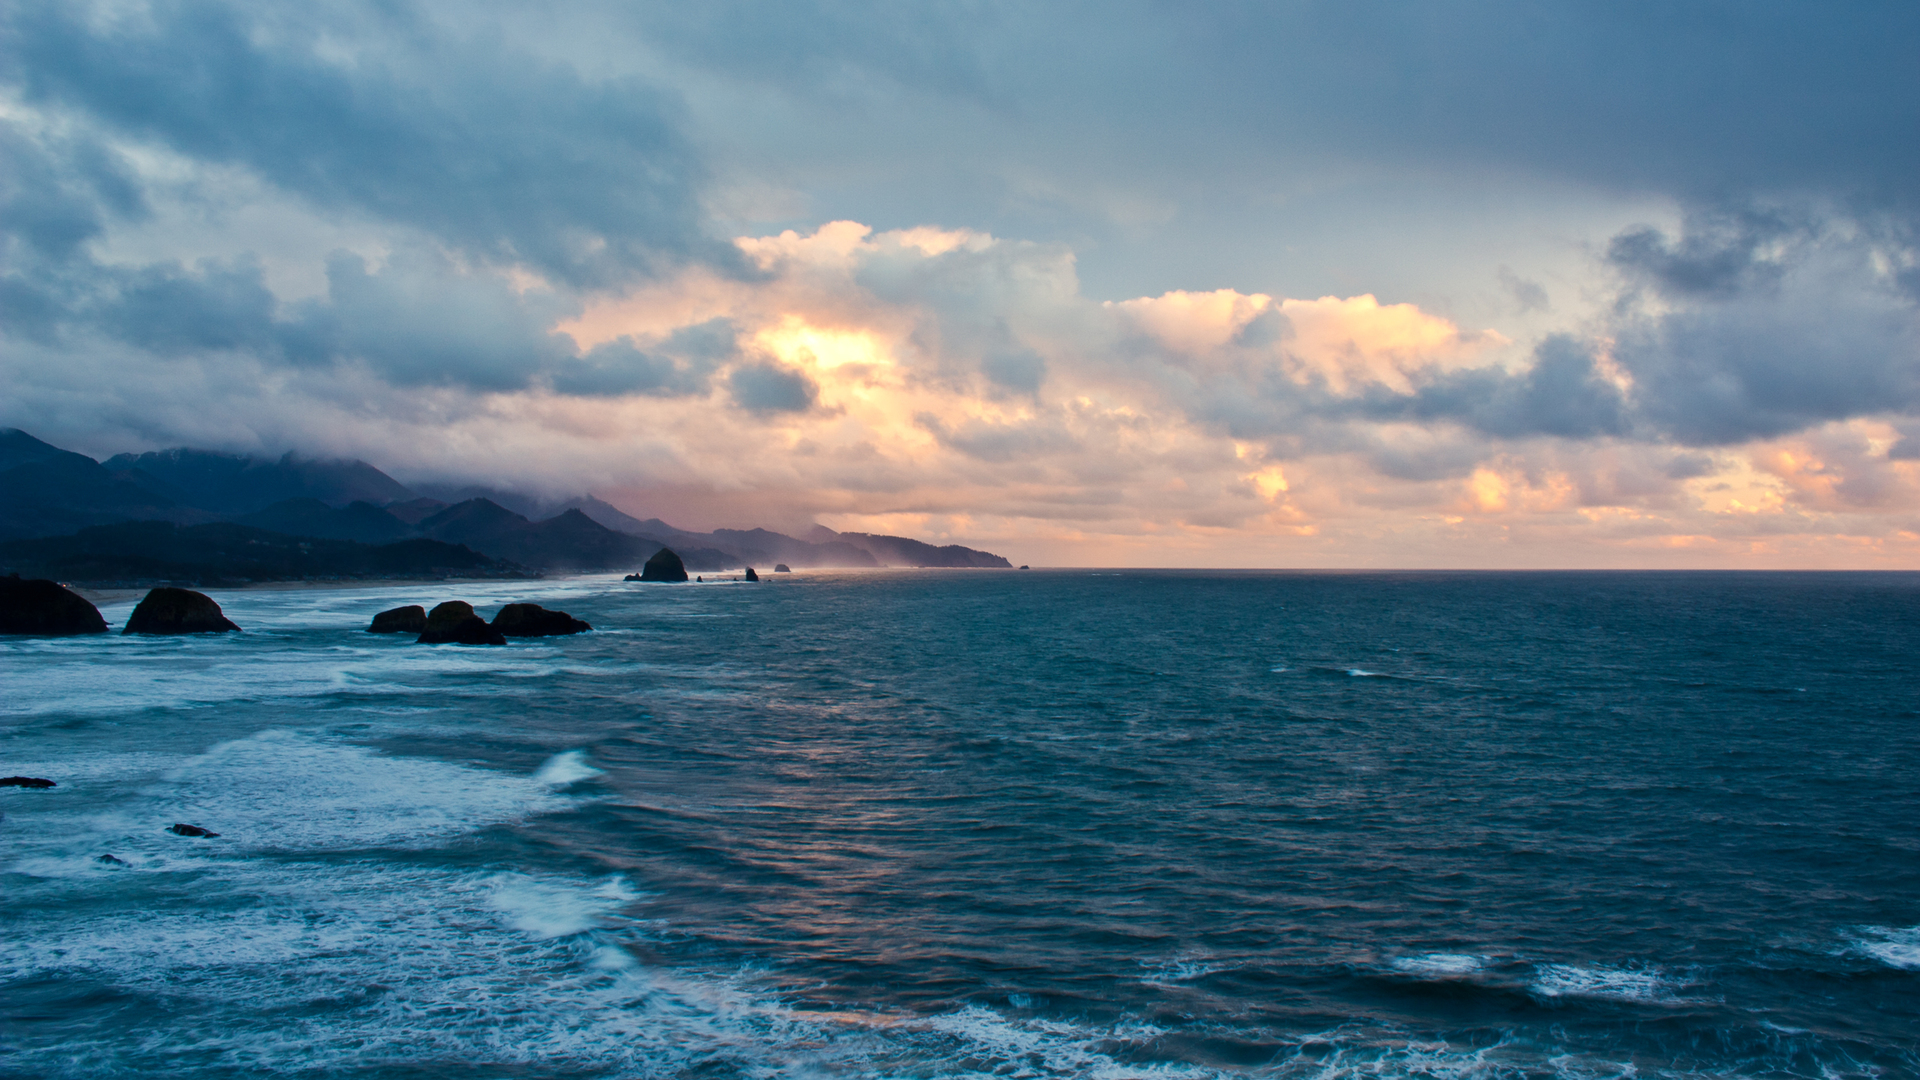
(505, 235)
(1746, 327)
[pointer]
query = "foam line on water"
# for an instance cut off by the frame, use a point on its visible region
(1893, 946)
(1637, 985)
(1441, 964)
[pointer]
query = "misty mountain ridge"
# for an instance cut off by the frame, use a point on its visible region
(47, 491)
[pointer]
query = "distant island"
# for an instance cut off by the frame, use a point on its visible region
(211, 518)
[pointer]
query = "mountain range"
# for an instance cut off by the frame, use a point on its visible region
(236, 514)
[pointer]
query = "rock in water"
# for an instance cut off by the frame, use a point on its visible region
(26, 781)
(751, 576)
(411, 619)
(782, 568)
(111, 861)
(37, 606)
(532, 620)
(631, 577)
(664, 566)
(181, 828)
(454, 623)
(168, 610)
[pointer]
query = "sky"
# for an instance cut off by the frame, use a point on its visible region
(1341, 284)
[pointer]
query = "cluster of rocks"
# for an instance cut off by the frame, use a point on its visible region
(49, 609)
(667, 566)
(456, 623)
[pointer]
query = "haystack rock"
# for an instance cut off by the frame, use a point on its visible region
(664, 566)
(532, 620)
(782, 568)
(751, 576)
(411, 619)
(454, 623)
(37, 606)
(168, 610)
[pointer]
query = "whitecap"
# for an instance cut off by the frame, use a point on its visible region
(1441, 964)
(1618, 984)
(553, 910)
(1179, 970)
(563, 770)
(1891, 946)
(288, 791)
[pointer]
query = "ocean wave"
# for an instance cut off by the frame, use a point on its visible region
(1894, 947)
(1179, 970)
(1640, 985)
(289, 791)
(1440, 964)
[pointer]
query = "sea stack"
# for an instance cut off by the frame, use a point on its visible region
(168, 610)
(751, 576)
(38, 606)
(454, 623)
(411, 619)
(782, 568)
(664, 566)
(532, 620)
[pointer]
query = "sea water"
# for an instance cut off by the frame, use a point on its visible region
(977, 823)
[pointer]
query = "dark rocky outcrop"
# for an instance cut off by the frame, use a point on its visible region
(751, 576)
(532, 620)
(35, 606)
(181, 828)
(111, 860)
(782, 568)
(168, 610)
(411, 619)
(664, 566)
(454, 623)
(26, 782)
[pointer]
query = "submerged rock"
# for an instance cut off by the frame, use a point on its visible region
(411, 619)
(181, 828)
(751, 576)
(38, 606)
(532, 620)
(664, 566)
(167, 610)
(111, 860)
(454, 623)
(782, 568)
(26, 781)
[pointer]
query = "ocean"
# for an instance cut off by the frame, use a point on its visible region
(1054, 823)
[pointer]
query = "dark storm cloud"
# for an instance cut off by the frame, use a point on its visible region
(769, 388)
(1562, 395)
(683, 364)
(500, 154)
(1763, 327)
(1694, 100)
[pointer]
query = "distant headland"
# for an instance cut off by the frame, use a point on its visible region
(210, 518)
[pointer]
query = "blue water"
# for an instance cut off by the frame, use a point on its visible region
(931, 824)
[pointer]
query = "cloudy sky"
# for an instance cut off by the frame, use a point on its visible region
(1299, 284)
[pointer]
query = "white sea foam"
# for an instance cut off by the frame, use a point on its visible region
(295, 792)
(563, 770)
(1619, 984)
(1179, 970)
(1894, 947)
(1442, 964)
